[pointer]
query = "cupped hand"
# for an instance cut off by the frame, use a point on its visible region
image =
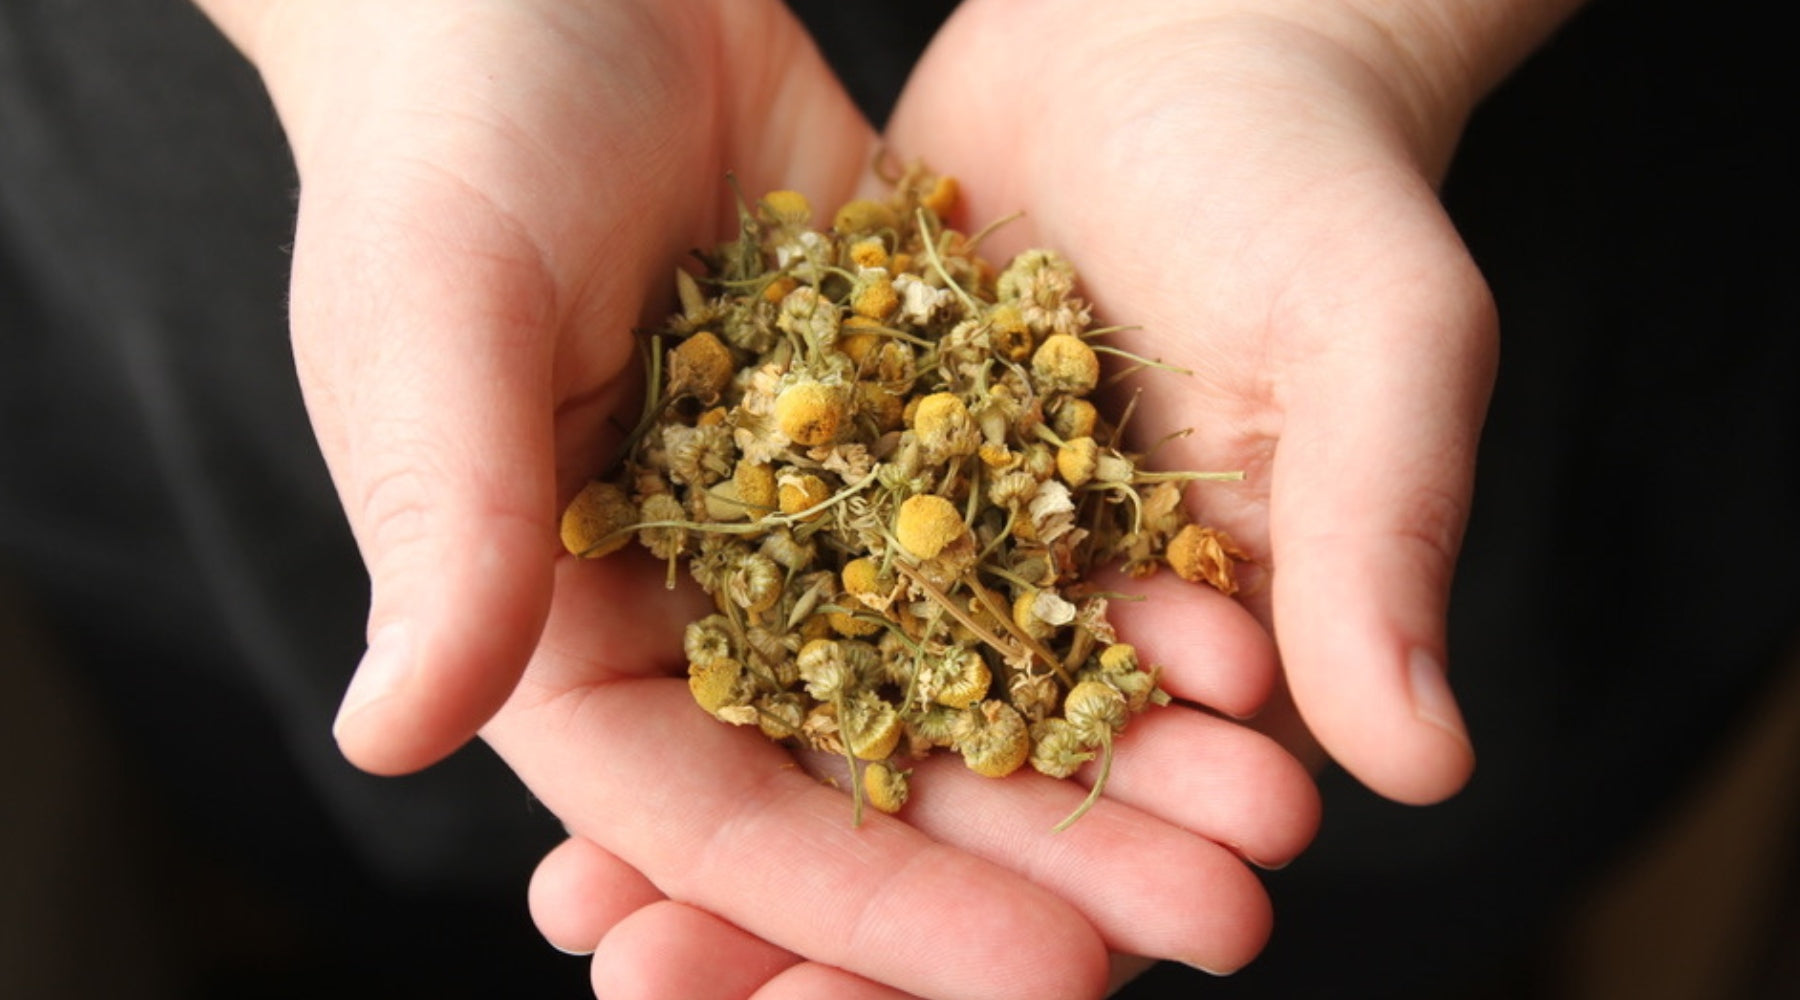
(1251, 186)
(492, 193)
(694, 833)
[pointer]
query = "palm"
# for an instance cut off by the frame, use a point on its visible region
(1247, 195)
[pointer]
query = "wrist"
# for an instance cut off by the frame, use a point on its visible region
(1415, 68)
(1446, 55)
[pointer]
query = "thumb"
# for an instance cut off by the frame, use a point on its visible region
(423, 334)
(1372, 481)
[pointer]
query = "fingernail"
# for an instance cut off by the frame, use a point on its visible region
(383, 669)
(571, 952)
(1432, 700)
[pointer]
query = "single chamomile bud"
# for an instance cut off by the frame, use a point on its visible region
(852, 626)
(755, 583)
(992, 739)
(714, 683)
(595, 522)
(780, 716)
(1038, 460)
(700, 366)
(811, 413)
(944, 427)
(886, 787)
(754, 486)
(870, 726)
(1065, 363)
(801, 491)
(883, 407)
(1096, 710)
(961, 680)
(807, 314)
(864, 215)
(1057, 749)
(1199, 553)
(1139, 688)
(1073, 418)
(787, 209)
(663, 541)
(824, 671)
(1112, 467)
(869, 251)
(1039, 613)
(1119, 658)
(1076, 461)
(707, 639)
(1013, 489)
(1034, 695)
(874, 296)
(931, 728)
(927, 524)
(1008, 335)
(863, 579)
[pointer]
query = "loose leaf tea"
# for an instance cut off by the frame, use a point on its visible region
(880, 457)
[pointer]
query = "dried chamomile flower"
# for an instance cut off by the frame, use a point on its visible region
(1077, 460)
(992, 738)
(700, 366)
(1057, 749)
(871, 726)
(1096, 710)
(597, 522)
(787, 209)
(715, 682)
(958, 680)
(927, 524)
(1199, 553)
(944, 426)
(1065, 363)
(865, 215)
(811, 412)
(886, 787)
(879, 457)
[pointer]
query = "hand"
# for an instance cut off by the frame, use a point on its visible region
(492, 194)
(696, 839)
(1251, 183)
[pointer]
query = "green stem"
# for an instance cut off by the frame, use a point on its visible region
(1093, 795)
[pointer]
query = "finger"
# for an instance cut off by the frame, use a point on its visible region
(579, 891)
(1225, 782)
(719, 818)
(670, 949)
(674, 950)
(1370, 493)
(1211, 651)
(812, 981)
(425, 353)
(1148, 887)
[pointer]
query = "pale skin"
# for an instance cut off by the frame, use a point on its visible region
(494, 192)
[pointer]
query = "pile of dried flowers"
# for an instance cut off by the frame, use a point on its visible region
(880, 457)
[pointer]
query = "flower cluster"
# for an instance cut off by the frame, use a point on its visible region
(881, 458)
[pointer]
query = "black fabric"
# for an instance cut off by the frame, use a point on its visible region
(1623, 594)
